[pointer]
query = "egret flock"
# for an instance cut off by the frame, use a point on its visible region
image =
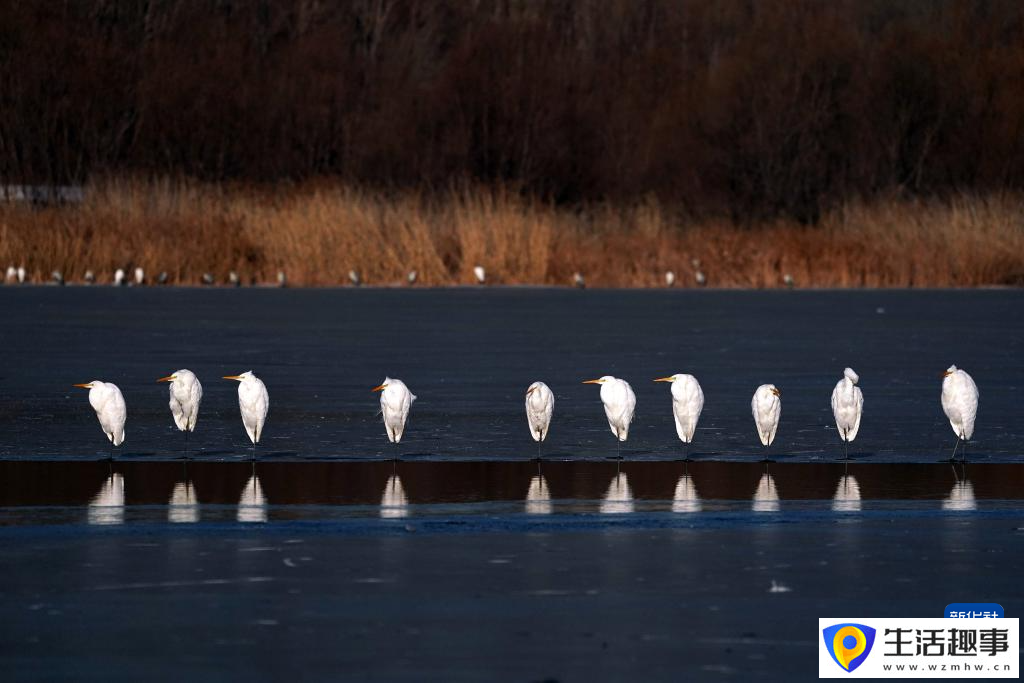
(959, 402)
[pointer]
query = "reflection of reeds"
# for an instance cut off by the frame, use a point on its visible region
(317, 232)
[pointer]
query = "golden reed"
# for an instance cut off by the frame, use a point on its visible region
(317, 232)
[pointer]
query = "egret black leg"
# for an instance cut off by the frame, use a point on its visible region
(952, 458)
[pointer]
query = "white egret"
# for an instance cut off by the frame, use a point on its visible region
(89, 277)
(540, 403)
(140, 276)
(208, 279)
(411, 277)
(253, 402)
(395, 401)
(282, 281)
(353, 277)
(21, 275)
(118, 277)
(233, 279)
(960, 403)
(57, 277)
(687, 403)
(619, 404)
(847, 406)
(670, 278)
(766, 407)
(577, 279)
(479, 274)
(106, 399)
(186, 393)
(12, 273)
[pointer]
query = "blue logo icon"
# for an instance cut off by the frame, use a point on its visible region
(849, 644)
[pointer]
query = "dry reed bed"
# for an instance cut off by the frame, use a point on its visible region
(317, 233)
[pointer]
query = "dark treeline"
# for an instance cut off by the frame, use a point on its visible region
(717, 107)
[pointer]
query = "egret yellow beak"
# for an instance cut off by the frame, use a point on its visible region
(382, 387)
(947, 373)
(170, 378)
(237, 378)
(777, 393)
(84, 386)
(664, 379)
(592, 381)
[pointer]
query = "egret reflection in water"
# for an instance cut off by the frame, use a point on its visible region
(394, 504)
(686, 498)
(766, 497)
(847, 495)
(961, 497)
(252, 506)
(619, 497)
(107, 506)
(538, 497)
(183, 507)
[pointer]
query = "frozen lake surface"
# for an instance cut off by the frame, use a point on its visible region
(469, 355)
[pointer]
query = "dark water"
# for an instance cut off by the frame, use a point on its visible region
(469, 354)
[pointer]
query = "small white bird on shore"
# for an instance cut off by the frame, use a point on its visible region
(411, 277)
(119, 277)
(89, 277)
(108, 402)
(58, 278)
(253, 403)
(233, 279)
(186, 393)
(353, 277)
(208, 279)
(687, 404)
(766, 407)
(395, 401)
(540, 403)
(847, 406)
(21, 275)
(960, 403)
(578, 281)
(619, 405)
(140, 276)
(282, 281)
(12, 274)
(479, 274)
(670, 279)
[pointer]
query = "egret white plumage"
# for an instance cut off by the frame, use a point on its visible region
(411, 277)
(108, 402)
(253, 402)
(395, 401)
(118, 277)
(847, 406)
(540, 403)
(186, 393)
(140, 276)
(353, 277)
(57, 277)
(960, 403)
(670, 278)
(21, 275)
(233, 279)
(89, 277)
(619, 405)
(479, 274)
(687, 403)
(12, 274)
(767, 408)
(577, 279)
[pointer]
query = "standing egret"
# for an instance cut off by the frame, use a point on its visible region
(186, 394)
(395, 400)
(106, 399)
(253, 402)
(619, 405)
(670, 278)
(118, 277)
(687, 402)
(140, 276)
(960, 403)
(540, 403)
(766, 407)
(480, 274)
(847, 405)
